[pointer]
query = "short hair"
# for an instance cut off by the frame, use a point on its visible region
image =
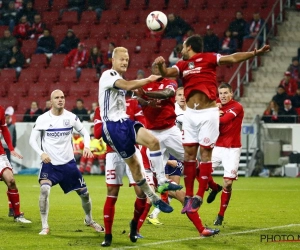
(119, 49)
(79, 100)
(196, 43)
(180, 88)
(225, 85)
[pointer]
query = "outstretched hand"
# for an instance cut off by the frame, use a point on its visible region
(153, 78)
(264, 49)
(159, 60)
(15, 154)
(87, 153)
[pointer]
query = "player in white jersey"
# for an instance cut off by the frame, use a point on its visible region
(122, 133)
(54, 130)
(180, 107)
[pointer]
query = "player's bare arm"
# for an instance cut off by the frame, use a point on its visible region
(243, 56)
(160, 94)
(135, 84)
(45, 158)
(15, 154)
(87, 153)
(164, 71)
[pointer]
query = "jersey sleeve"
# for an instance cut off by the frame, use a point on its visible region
(109, 77)
(171, 84)
(231, 114)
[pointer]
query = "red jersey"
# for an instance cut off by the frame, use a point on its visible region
(199, 73)
(231, 125)
(290, 87)
(5, 132)
(164, 117)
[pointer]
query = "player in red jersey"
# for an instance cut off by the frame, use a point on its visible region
(201, 122)
(228, 147)
(116, 168)
(6, 171)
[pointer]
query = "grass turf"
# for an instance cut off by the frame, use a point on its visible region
(259, 208)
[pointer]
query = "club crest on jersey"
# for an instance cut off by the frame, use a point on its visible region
(66, 122)
(191, 65)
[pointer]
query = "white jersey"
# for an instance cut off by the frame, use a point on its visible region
(56, 136)
(179, 115)
(111, 99)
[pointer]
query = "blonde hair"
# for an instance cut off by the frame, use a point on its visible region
(180, 88)
(119, 49)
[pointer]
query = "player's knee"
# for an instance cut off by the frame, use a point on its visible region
(11, 183)
(83, 192)
(153, 144)
(45, 190)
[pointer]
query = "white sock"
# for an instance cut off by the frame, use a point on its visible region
(86, 203)
(155, 213)
(44, 204)
(157, 163)
(143, 184)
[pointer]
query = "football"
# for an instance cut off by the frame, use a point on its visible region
(156, 21)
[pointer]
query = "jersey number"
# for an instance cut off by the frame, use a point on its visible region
(110, 174)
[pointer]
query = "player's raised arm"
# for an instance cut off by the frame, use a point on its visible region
(243, 56)
(164, 71)
(135, 84)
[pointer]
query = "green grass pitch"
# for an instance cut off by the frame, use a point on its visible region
(259, 208)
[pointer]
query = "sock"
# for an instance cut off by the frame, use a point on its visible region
(164, 196)
(204, 173)
(189, 174)
(86, 203)
(212, 184)
(143, 216)
(157, 163)
(139, 207)
(9, 205)
(195, 218)
(143, 184)
(225, 198)
(109, 213)
(155, 213)
(44, 204)
(14, 198)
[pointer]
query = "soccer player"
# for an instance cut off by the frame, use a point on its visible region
(227, 149)
(54, 130)
(201, 122)
(180, 106)
(6, 171)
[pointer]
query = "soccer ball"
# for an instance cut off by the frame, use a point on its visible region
(156, 21)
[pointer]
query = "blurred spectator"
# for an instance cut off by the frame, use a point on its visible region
(80, 111)
(77, 59)
(238, 28)
(17, 60)
(296, 99)
(280, 96)
(228, 44)
(210, 40)
(176, 28)
(107, 57)
(47, 106)
(28, 11)
(32, 113)
(92, 111)
(97, 5)
(294, 68)
(9, 112)
(140, 74)
(270, 115)
(188, 34)
(6, 44)
(8, 16)
(287, 114)
(37, 28)
(74, 5)
(68, 43)
(254, 27)
(175, 55)
(290, 85)
(78, 145)
(21, 30)
(46, 43)
(95, 60)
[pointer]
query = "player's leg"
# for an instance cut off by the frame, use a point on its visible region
(45, 187)
(12, 190)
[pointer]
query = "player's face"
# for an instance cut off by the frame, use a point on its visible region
(225, 95)
(120, 62)
(180, 99)
(184, 52)
(58, 100)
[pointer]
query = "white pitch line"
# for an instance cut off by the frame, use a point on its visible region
(200, 238)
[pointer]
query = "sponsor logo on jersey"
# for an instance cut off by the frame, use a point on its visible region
(191, 71)
(58, 134)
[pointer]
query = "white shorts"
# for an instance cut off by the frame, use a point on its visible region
(201, 127)
(4, 163)
(170, 143)
(116, 168)
(230, 158)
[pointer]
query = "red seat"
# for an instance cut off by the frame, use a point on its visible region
(148, 45)
(167, 45)
(140, 60)
(90, 43)
(57, 61)
(157, 5)
(59, 4)
(137, 4)
(8, 76)
(88, 75)
(129, 44)
(29, 75)
(70, 102)
(119, 31)
(139, 31)
(190, 16)
(247, 43)
(38, 61)
(18, 89)
(3, 90)
(59, 32)
(109, 17)
(208, 17)
(48, 76)
(116, 5)
(82, 31)
(99, 31)
(2, 29)
(88, 17)
(37, 90)
(28, 48)
(128, 17)
(197, 4)
(41, 5)
(69, 18)
(9, 101)
(64, 87)
(131, 73)
(67, 76)
(50, 18)
(79, 90)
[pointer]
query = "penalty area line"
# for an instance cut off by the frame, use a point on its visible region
(200, 238)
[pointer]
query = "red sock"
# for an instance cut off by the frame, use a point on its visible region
(204, 173)
(164, 196)
(14, 198)
(212, 184)
(89, 164)
(189, 173)
(139, 207)
(225, 198)
(195, 218)
(9, 205)
(109, 213)
(143, 216)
